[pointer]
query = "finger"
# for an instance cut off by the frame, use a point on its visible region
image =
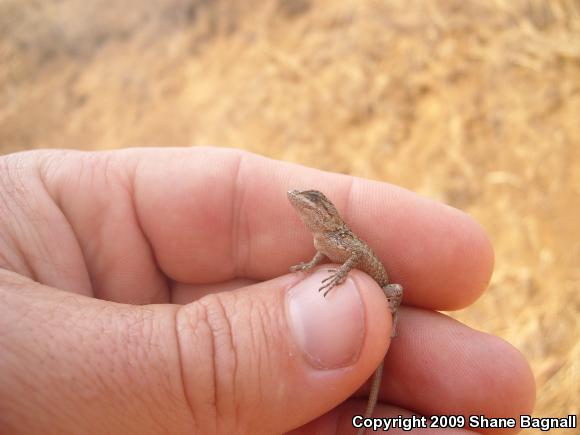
(244, 226)
(71, 225)
(247, 361)
(208, 215)
(438, 366)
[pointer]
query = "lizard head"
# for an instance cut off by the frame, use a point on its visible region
(315, 210)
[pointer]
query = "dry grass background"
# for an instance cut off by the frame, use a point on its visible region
(474, 103)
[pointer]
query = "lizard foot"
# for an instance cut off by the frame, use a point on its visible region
(331, 282)
(301, 267)
(333, 272)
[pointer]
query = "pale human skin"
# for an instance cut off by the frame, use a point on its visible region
(147, 291)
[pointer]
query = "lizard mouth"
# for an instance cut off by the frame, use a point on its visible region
(293, 196)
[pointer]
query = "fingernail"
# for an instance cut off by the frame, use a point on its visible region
(329, 330)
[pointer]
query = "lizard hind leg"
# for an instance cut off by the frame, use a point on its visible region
(394, 294)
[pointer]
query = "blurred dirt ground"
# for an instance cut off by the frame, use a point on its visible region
(474, 103)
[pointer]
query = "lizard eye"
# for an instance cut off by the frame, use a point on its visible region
(314, 196)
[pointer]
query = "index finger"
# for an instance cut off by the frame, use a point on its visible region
(215, 214)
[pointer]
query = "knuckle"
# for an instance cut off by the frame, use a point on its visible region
(209, 362)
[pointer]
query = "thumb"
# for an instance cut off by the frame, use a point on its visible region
(71, 364)
(263, 359)
(273, 356)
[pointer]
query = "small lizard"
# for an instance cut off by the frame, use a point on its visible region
(335, 240)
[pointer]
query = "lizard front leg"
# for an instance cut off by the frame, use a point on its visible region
(318, 257)
(340, 274)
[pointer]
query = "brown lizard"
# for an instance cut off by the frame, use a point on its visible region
(335, 240)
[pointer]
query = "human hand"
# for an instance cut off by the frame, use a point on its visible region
(145, 291)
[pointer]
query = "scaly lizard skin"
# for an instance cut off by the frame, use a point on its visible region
(335, 240)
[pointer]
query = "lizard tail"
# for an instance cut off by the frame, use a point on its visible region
(374, 395)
